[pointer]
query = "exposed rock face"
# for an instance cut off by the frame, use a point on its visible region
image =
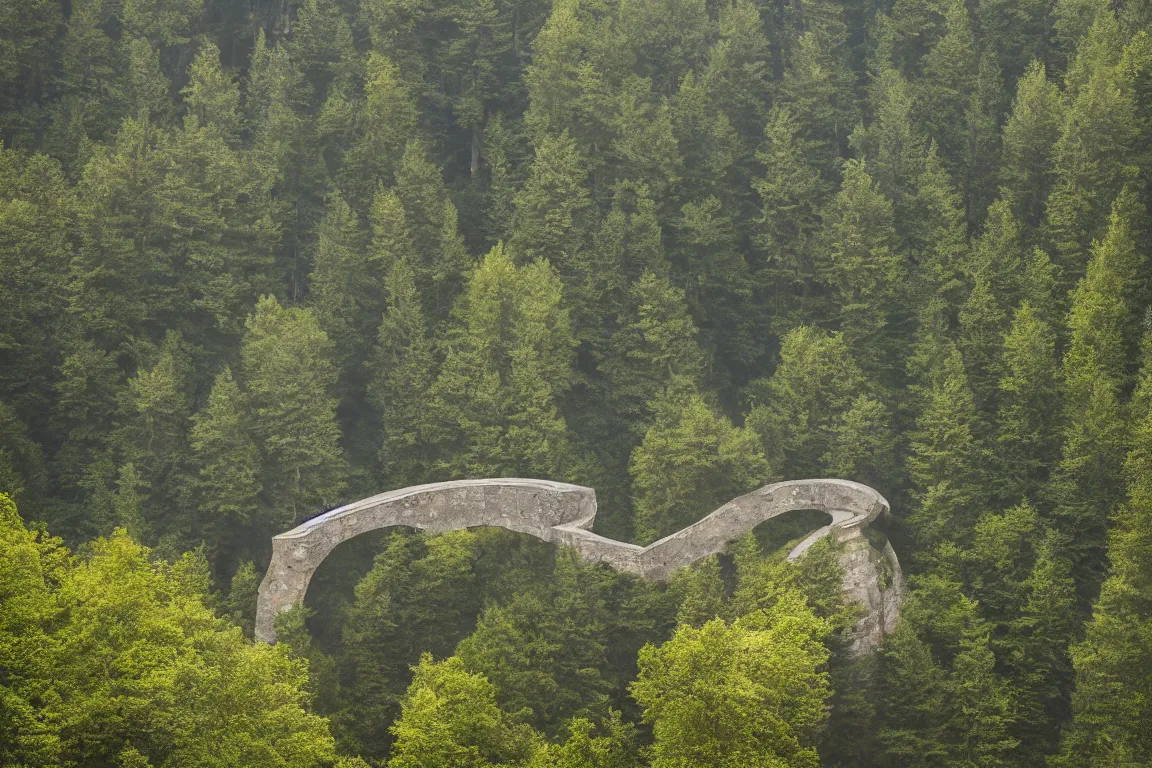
(563, 514)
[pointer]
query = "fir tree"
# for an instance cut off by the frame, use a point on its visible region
(289, 376)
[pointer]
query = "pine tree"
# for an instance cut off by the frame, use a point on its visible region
(383, 125)
(1028, 173)
(1093, 153)
(691, 461)
(798, 412)
(37, 210)
(439, 257)
(545, 648)
(402, 374)
(708, 257)
(450, 715)
(227, 488)
(860, 265)
(494, 409)
(153, 434)
(949, 83)
(418, 597)
(982, 325)
(945, 461)
(820, 88)
(345, 288)
(654, 348)
(144, 91)
(934, 232)
(1029, 395)
(982, 706)
(914, 702)
(551, 219)
(289, 376)
(1087, 482)
(1113, 664)
(212, 96)
(791, 194)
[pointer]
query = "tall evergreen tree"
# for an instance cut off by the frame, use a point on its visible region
(1113, 664)
(289, 376)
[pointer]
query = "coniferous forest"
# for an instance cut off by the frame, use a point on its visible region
(259, 258)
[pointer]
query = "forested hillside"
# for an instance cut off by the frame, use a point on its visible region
(261, 257)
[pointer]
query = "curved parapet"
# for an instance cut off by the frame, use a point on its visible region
(563, 514)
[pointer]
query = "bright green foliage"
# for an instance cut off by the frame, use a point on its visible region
(450, 719)
(1087, 482)
(1113, 664)
(691, 461)
(288, 376)
(418, 596)
(747, 694)
(612, 745)
(141, 669)
(544, 649)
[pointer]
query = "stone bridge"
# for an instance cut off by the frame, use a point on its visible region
(563, 514)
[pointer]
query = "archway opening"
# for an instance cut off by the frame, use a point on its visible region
(789, 529)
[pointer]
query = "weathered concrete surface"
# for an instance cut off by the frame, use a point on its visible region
(563, 514)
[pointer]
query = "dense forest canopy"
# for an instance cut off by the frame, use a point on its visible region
(261, 257)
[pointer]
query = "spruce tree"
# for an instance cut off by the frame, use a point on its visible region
(1087, 482)
(1027, 437)
(1028, 173)
(401, 373)
(945, 459)
(691, 461)
(860, 264)
(227, 487)
(1113, 664)
(799, 411)
(289, 377)
(345, 288)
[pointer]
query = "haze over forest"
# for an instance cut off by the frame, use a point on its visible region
(260, 258)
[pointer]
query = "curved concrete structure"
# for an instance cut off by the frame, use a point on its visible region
(563, 514)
